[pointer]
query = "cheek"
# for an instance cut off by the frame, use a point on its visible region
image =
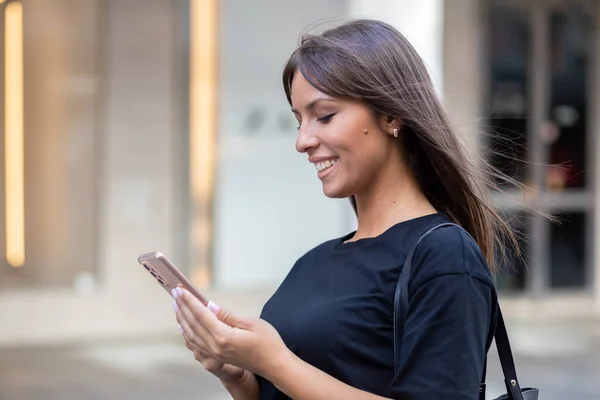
(358, 168)
(372, 157)
(357, 144)
(367, 148)
(360, 150)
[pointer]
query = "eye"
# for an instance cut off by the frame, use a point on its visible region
(326, 118)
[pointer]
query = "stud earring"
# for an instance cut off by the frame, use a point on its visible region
(395, 132)
(366, 131)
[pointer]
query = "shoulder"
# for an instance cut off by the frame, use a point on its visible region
(449, 250)
(302, 271)
(324, 248)
(312, 256)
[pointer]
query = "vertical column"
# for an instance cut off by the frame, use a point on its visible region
(420, 21)
(594, 163)
(464, 70)
(538, 279)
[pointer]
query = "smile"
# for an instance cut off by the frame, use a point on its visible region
(322, 166)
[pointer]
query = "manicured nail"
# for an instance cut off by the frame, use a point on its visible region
(175, 308)
(213, 307)
(174, 293)
(179, 291)
(180, 329)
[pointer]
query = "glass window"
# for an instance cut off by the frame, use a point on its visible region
(513, 267)
(509, 97)
(539, 80)
(570, 34)
(567, 251)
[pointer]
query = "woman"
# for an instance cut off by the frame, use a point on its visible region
(370, 122)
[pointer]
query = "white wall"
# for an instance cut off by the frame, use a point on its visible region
(269, 207)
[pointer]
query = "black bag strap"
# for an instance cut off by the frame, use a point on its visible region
(506, 359)
(401, 304)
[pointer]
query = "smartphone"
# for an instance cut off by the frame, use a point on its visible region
(167, 275)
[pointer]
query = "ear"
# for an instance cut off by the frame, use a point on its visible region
(392, 126)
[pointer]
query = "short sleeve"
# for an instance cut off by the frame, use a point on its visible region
(448, 324)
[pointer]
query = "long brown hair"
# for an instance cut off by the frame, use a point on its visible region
(370, 61)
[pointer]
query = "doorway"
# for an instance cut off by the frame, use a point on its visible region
(540, 74)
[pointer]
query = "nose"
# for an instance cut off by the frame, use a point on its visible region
(306, 141)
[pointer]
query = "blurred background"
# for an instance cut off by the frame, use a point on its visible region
(138, 125)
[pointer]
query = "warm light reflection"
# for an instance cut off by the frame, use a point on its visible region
(14, 157)
(203, 82)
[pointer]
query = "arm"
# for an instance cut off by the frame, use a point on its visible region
(449, 321)
(301, 381)
(442, 354)
(444, 344)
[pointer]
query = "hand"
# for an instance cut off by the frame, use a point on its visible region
(227, 373)
(248, 343)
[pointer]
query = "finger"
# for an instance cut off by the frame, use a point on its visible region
(186, 308)
(193, 333)
(227, 317)
(183, 327)
(205, 324)
(196, 333)
(196, 344)
(195, 312)
(211, 364)
(186, 339)
(222, 314)
(199, 356)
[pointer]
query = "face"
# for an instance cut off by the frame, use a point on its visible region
(332, 133)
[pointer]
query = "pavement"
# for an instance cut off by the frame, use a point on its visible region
(562, 358)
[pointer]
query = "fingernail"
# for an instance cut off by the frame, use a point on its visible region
(179, 291)
(213, 307)
(175, 308)
(174, 293)
(180, 329)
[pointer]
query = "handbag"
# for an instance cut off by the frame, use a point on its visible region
(401, 302)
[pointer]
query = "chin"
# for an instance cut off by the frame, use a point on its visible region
(336, 192)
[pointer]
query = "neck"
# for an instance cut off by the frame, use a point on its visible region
(391, 200)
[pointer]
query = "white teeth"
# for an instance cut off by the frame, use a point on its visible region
(320, 166)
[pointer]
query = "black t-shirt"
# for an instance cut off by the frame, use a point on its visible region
(335, 308)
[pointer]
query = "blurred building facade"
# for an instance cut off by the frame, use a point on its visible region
(162, 125)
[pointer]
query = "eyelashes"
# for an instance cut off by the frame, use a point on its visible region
(324, 119)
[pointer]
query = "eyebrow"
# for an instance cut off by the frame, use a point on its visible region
(313, 103)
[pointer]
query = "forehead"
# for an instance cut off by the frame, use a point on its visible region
(302, 91)
(304, 97)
